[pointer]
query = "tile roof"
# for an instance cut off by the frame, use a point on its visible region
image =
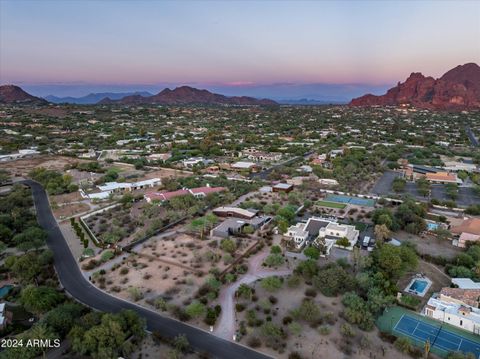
(470, 297)
(471, 225)
(441, 176)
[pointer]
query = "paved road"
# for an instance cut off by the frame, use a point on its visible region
(263, 175)
(472, 137)
(82, 290)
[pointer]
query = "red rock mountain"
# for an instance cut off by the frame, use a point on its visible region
(11, 94)
(186, 95)
(458, 89)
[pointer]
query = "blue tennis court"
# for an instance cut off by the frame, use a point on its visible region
(349, 199)
(438, 336)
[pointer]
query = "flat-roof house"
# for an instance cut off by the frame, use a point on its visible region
(233, 226)
(129, 186)
(465, 283)
(196, 192)
(243, 165)
(117, 187)
(330, 234)
(235, 212)
(193, 161)
(328, 181)
(304, 232)
(258, 156)
(323, 233)
(282, 187)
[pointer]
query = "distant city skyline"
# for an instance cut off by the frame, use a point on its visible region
(277, 49)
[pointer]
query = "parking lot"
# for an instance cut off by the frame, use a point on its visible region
(466, 195)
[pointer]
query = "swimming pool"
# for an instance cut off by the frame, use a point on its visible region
(5, 290)
(431, 226)
(419, 286)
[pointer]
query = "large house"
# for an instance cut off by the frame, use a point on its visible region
(233, 226)
(244, 166)
(323, 233)
(431, 174)
(198, 192)
(195, 161)
(468, 231)
(257, 156)
(118, 187)
(456, 306)
(235, 212)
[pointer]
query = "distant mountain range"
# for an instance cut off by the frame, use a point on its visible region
(310, 102)
(186, 95)
(457, 89)
(12, 94)
(93, 98)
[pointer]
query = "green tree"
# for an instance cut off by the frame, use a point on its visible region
(244, 291)
(271, 284)
(195, 309)
(228, 245)
(308, 311)
(41, 299)
(274, 260)
(312, 252)
(62, 318)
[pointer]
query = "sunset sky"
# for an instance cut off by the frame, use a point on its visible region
(54, 46)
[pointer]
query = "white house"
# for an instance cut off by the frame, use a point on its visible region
(321, 232)
(457, 307)
(298, 234)
(328, 181)
(116, 187)
(242, 165)
(193, 161)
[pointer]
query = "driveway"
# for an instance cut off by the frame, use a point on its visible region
(226, 324)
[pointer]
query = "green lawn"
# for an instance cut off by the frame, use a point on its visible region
(331, 204)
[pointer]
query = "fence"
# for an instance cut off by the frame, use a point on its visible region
(130, 246)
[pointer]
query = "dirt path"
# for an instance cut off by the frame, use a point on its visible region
(226, 324)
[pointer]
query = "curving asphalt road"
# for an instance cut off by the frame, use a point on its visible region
(78, 287)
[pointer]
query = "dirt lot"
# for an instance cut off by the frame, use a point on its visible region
(154, 350)
(166, 172)
(69, 204)
(172, 267)
(23, 166)
(119, 224)
(428, 244)
(310, 342)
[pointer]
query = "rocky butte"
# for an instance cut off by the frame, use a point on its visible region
(458, 89)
